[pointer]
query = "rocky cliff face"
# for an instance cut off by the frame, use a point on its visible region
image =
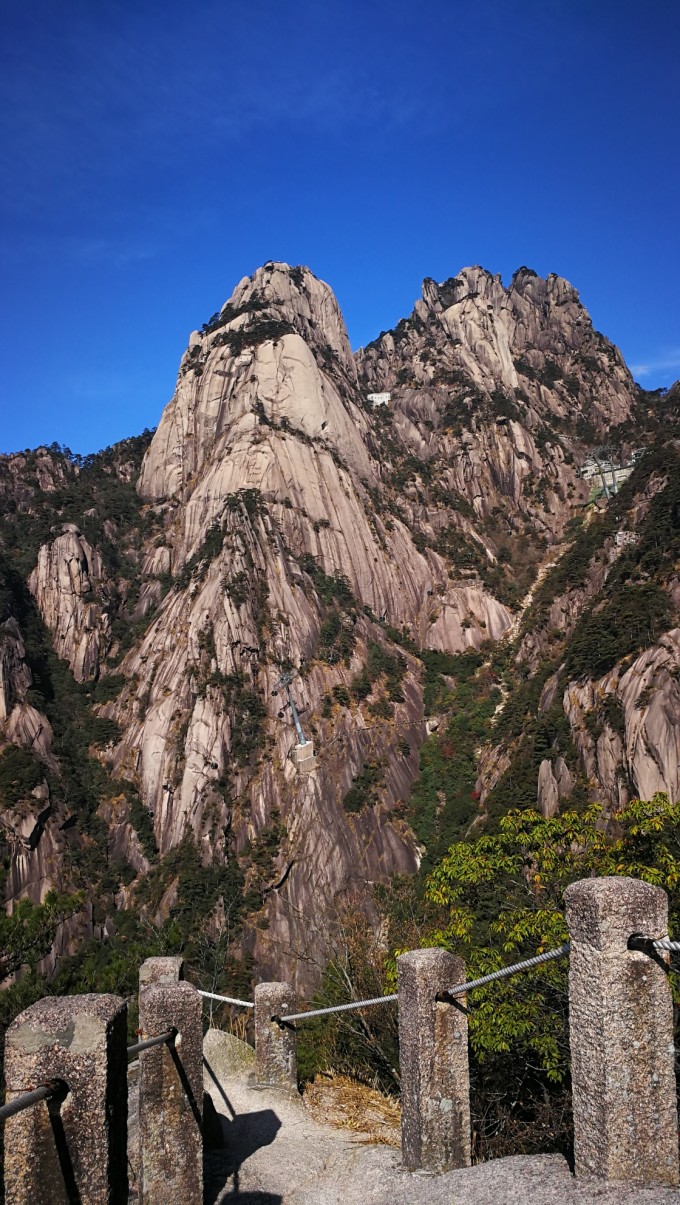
(20, 723)
(284, 525)
(609, 604)
(637, 752)
(49, 788)
(267, 400)
(27, 826)
(533, 342)
(70, 588)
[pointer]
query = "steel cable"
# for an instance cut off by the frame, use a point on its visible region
(147, 1043)
(336, 1008)
(458, 990)
(226, 999)
(503, 973)
(44, 1092)
(664, 943)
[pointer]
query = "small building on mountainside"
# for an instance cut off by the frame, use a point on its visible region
(624, 537)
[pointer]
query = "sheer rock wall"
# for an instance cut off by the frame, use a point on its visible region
(67, 584)
(271, 476)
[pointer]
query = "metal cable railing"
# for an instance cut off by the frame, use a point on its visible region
(336, 1008)
(461, 988)
(55, 1087)
(226, 999)
(663, 943)
(42, 1092)
(147, 1043)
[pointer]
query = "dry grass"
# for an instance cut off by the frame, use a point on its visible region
(339, 1101)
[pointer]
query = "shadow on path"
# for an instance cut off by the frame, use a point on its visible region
(233, 1141)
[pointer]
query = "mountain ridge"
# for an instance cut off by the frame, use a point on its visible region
(282, 522)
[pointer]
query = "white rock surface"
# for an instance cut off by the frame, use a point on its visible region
(66, 581)
(548, 791)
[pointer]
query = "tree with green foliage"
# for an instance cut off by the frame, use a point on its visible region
(503, 901)
(443, 803)
(27, 934)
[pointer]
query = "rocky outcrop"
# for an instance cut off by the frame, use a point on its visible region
(206, 662)
(15, 676)
(71, 590)
(555, 784)
(123, 843)
(24, 476)
(27, 829)
(490, 388)
(258, 365)
(548, 791)
(269, 467)
(28, 727)
(257, 407)
(642, 754)
(650, 696)
(266, 438)
(20, 722)
(533, 341)
(36, 848)
(568, 605)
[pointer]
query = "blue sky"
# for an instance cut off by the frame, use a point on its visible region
(155, 151)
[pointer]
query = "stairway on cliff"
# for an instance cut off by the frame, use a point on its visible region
(552, 557)
(544, 568)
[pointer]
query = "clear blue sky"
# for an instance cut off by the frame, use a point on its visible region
(155, 151)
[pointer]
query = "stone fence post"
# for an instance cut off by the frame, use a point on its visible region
(170, 1087)
(73, 1147)
(169, 969)
(433, 1052)
(275, 1058)
(621, 1034)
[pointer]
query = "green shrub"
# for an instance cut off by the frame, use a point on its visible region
(630, 621)
(365, 790)
(20, 773)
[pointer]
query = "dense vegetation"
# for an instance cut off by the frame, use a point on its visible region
(494, 901)
(443, 802)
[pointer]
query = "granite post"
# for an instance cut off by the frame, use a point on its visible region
(72, 1147)
(168, 969)
(170, 1087)
(275, 1059)
(621, 1034)
(433, 1052)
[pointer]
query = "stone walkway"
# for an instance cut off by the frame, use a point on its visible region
(274, 1153)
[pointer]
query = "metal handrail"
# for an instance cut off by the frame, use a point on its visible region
(42, 1092)
(461, 989)
(168, 1036)
(284, 1019)
(226, 999)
